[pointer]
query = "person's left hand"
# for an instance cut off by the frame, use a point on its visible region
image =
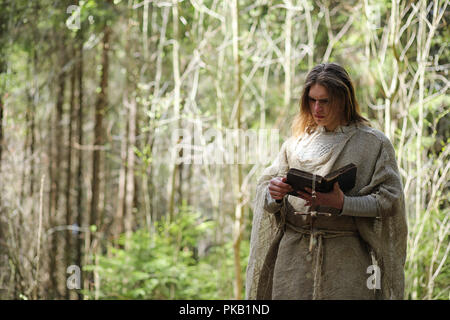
(334, 198)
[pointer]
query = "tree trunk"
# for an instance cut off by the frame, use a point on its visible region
(3, 234)
(68, 251)
(239, 217)
(1, 129)
(156, 203)
(136, 197)
(51, 170)
(118, 228)
(56, 165)
(35, 96)
(130, 138)
(3, 32)
(25, 146)
(310, 31)
(287, 58)
(176, 103)
(100, 109)
(130, 183)
(286, 64)
(79, 183)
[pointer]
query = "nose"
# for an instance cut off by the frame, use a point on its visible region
(317, 107)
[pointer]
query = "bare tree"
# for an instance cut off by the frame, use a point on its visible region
(239, 211)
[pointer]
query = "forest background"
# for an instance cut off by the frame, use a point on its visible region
(103, 104)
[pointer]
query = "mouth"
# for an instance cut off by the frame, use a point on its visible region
(318, 117)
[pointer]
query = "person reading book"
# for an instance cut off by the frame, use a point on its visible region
(307, 244)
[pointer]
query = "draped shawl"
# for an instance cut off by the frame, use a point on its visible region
(378, 180)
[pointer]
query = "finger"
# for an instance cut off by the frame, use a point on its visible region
(336, 186)
(304, 196)
(287, 185)
(282, 184)
(309, 190)
(304, 193)
(275, 192)
(282, 180)
(277, 189)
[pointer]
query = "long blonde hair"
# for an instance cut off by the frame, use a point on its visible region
(341, 94)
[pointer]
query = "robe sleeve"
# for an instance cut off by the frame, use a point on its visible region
(383, 190)
(279, 169)
(264, 224)
(365, 206)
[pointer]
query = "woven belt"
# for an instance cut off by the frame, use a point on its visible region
(316, 237)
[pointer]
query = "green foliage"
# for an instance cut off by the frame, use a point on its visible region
(163, 263)
(425, 256)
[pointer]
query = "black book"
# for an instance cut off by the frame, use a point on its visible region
(299, 180)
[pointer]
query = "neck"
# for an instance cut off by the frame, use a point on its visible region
(330, 128)
(334, 126)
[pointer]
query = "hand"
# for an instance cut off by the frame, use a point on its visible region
(334, 199)
(278, 188)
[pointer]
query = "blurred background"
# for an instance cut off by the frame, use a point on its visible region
(97, 199)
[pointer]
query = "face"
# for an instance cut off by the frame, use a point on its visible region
(321, 109)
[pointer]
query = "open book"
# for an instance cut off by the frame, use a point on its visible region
(299, 179)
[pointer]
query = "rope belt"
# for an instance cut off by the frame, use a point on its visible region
(316, 238)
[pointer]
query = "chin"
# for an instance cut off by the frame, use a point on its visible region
(319, 122)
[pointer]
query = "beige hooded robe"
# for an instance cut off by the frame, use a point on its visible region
(372, 228)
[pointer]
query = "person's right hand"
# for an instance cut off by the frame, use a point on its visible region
(278, 188)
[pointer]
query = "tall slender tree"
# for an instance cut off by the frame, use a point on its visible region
(176, 101)
(100, 110)
(55, 168)
(80, 219)
(68, 245)
(131, 106)
(239, 210)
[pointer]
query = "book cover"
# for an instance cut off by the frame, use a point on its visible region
(299, 179)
